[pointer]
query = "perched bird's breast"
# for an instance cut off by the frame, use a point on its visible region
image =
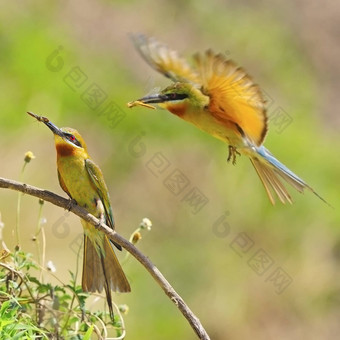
(77, 181)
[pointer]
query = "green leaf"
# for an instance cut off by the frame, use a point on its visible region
(88, 334)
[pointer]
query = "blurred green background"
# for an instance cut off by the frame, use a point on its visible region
(52, 53)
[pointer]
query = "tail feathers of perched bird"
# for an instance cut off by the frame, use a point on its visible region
(271, 172)
(101, 269)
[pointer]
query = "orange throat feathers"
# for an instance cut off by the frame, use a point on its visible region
(65, 149)
(177, 109)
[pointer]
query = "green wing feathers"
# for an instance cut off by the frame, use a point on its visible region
(98, 181)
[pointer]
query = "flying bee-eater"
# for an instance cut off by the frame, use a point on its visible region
(221, 99)
(83, 182)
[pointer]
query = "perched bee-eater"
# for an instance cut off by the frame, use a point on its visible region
(221, 99)
(83, 182)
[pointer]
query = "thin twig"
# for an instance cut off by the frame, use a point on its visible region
(17, 224)
(150, 267)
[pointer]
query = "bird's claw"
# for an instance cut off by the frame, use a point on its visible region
(71, 204)
(232, 154)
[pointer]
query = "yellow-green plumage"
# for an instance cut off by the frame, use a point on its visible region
(83, 181)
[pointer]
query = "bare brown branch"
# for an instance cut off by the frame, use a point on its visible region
(149, 266)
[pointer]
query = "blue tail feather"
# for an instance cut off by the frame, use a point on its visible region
(271, 172)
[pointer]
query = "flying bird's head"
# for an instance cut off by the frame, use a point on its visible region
(178, 98)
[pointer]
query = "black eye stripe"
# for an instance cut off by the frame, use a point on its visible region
(72, 139)
(176, 96)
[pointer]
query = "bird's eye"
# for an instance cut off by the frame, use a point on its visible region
(176, 96)
(73, 139)
(171, 96)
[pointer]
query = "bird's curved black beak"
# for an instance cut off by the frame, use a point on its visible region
(153, 99)
(163, 97)
(49, 124)
(54, 129)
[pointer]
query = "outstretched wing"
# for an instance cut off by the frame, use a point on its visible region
(101, 188)
(233, 95)
(164, 60)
